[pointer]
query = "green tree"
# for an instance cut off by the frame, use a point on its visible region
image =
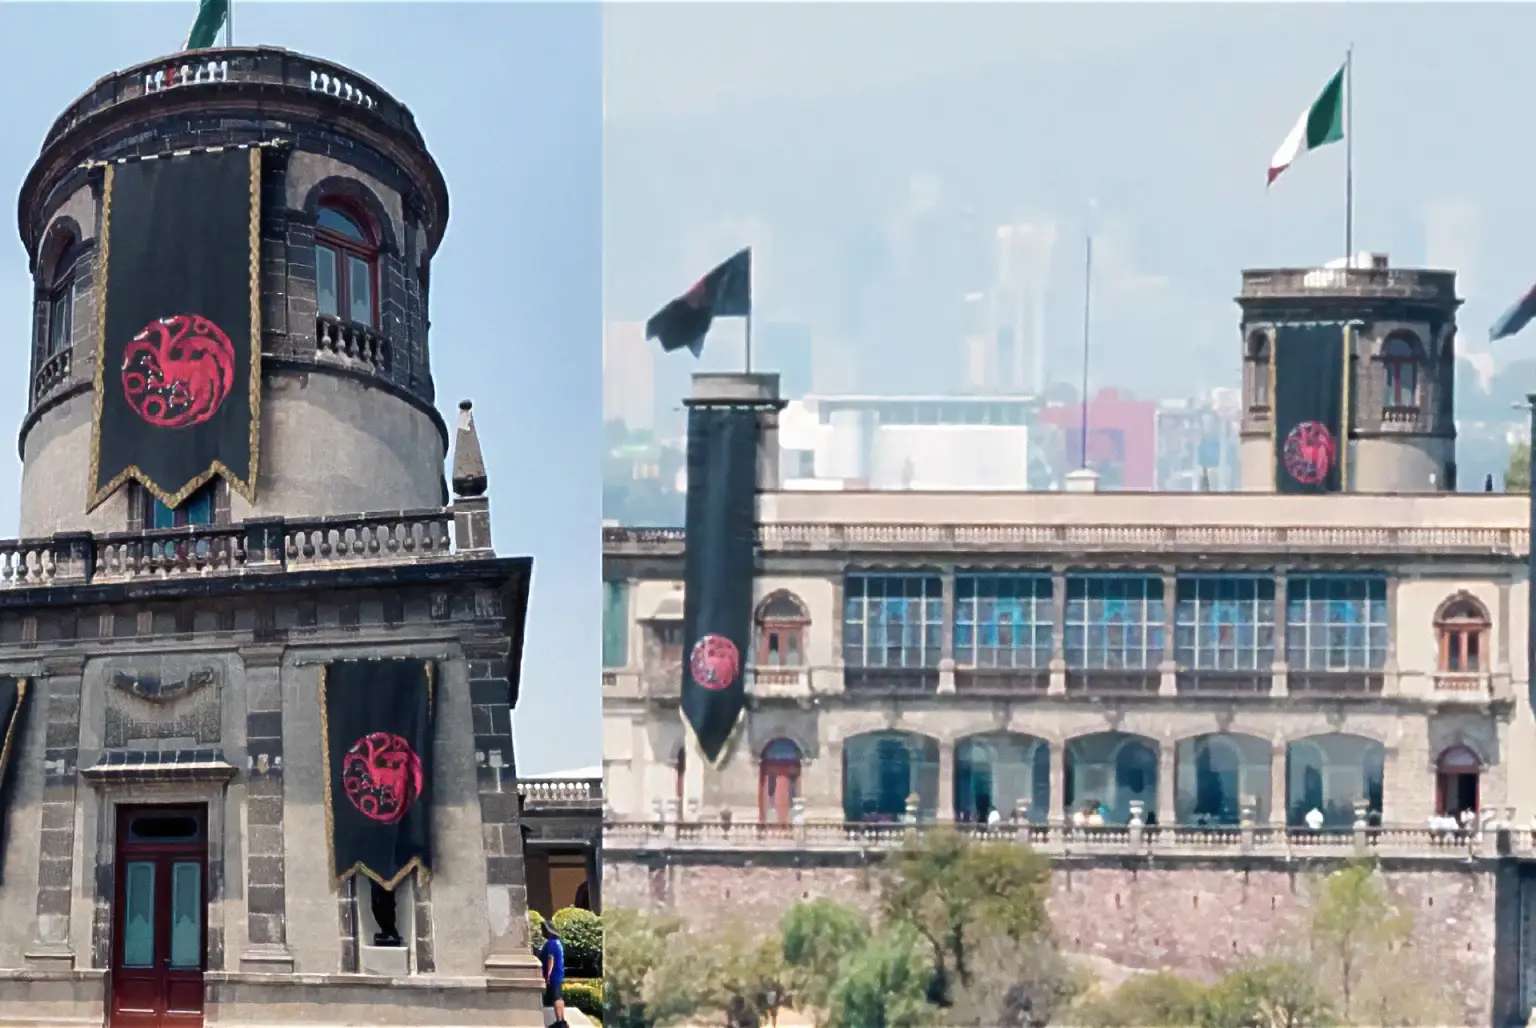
(635, 945)
(726, 975)
(1145, 1001)
(954, 892)
(817, 935)
(1517, 474)
(1355, 923)
(1273, 994)
(1016, 984)
(885, 984)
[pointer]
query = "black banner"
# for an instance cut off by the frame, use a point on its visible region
(13, 701)
(376, 727)
(178, 388)
(718, 571)
(1310, 433)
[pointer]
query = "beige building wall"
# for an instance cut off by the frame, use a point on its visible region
(1431, 548)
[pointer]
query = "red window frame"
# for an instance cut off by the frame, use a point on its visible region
(345, 246)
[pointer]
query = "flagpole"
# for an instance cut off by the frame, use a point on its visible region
(1087, 314)
(1349, 155)
(751, 304)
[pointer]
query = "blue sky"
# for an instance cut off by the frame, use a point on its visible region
(509, 99)
(869, 150)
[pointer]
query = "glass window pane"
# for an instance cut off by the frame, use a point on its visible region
(326, 296)
(186, 914)
(139, 914)
(333, 220)
(61, 320)
(359, 291)
(199, 507)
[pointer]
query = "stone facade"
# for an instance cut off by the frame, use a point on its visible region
(179, 668)
(1195, 916)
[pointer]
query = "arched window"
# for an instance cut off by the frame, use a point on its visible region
(781, 624)
(1462, 626)
(61, 300)
(1456, 780)
(1258, 368)
(1400, 361)
(778, 781)
(346, 266)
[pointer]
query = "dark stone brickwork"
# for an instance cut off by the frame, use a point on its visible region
(490, 694)
(264, 870)
(61, 754)
(426, 963)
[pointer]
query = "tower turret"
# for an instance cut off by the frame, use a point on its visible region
(1401, 435)
(352, 209)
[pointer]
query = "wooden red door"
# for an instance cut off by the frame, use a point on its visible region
(159, 918)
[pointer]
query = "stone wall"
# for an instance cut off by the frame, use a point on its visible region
(1193, 918)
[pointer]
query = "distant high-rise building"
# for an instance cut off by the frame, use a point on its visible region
(1020, 288)
(629, 375)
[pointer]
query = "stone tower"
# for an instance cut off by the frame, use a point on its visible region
(1402, 432)
(353, 209)
(189, 694)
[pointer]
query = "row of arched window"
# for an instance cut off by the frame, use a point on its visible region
(1462, 625)
(1217, 778)
(1401, 357)
(346, 272)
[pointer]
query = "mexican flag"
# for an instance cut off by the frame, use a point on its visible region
(1319, 125)
(205, 30)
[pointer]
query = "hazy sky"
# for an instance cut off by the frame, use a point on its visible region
(509, 99)
(824, 133)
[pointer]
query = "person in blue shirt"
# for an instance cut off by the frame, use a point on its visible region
(552, 958)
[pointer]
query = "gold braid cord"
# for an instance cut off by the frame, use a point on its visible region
(423, 873)
(9, 742)
(245, 487)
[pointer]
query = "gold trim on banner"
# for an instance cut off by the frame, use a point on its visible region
(731, 739)
(246, 488)
(1344, 413)
(1274, 411)
(10, 729)
(423, 872)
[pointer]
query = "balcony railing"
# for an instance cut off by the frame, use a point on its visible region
(1062, 840)
(257, 545)
(224, 66)
(351, 345)
(1397, 283)
(552, 792)
(1308, 540)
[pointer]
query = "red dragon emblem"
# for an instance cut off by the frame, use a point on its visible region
(1310, 452)
(382, 776)
(714, 662)
(178, 370)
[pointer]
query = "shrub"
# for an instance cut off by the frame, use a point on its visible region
(585, 995)
(637, 945)
(582, 933)
(535, 930)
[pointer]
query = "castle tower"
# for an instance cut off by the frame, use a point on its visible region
(352, 209)
(257, 668)
(1400, 380)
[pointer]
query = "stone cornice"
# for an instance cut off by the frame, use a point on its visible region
(1292, 544)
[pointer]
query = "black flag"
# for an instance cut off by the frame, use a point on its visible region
(376, 726)
(718, 570)
(178, 382)
(1308, 410)
(725, 292)
(13, 700)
